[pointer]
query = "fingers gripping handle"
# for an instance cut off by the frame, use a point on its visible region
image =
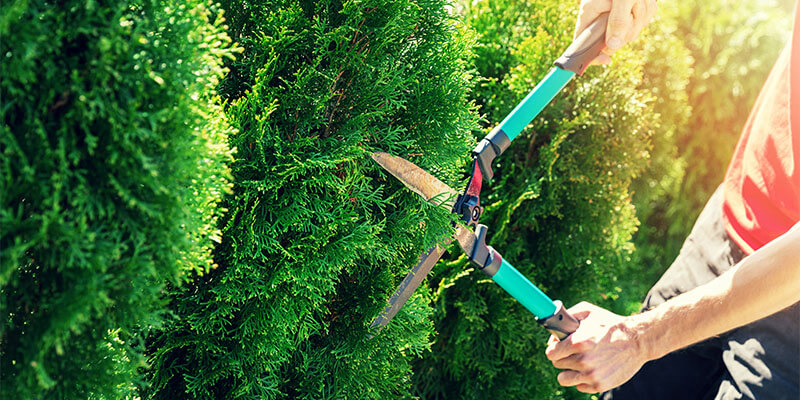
(586, 47)
(561, 324)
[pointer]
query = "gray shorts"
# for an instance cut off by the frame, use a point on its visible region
(757, 361)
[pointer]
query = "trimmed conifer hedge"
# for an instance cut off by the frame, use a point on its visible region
(112, 161)
(316, 236)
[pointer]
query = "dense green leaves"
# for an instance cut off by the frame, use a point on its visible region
(112, 161)
(316, 236)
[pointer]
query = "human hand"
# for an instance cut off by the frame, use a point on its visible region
(602, 354)
(626, 20)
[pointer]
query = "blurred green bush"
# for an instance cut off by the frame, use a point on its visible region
(113, 159)
(732, 48)
(560, 207)
(316, 236)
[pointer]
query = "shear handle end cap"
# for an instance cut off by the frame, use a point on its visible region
(586, 47)
(561, 323)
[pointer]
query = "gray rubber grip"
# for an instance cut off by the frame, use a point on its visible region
(560, 324)
(586, 47)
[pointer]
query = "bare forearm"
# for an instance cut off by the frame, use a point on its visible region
(762, 284)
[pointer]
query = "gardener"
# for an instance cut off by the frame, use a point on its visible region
(732, 294)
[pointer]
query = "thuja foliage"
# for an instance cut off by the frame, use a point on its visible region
(316, 237)
(112, 159)
(731, 51)
(560, 207)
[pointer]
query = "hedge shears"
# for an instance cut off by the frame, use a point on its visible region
(551, 314)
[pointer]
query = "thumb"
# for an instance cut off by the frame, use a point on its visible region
(581, 310)
(581, 315)
(589, 11)
(620, 23)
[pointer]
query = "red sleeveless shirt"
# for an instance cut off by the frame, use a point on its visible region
(762, 184)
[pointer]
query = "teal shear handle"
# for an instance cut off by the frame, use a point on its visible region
(575, 60)
(519, 287)
(549, 313)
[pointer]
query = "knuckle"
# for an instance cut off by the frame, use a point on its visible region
(590, 388)
(587, 6)
(639, 10)
(633, 34)
(595, 7)
(618, 21)
(622, 5)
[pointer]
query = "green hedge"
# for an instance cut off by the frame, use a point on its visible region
(316, 237)
(112, 161)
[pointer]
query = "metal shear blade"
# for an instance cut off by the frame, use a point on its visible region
(436, 192)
